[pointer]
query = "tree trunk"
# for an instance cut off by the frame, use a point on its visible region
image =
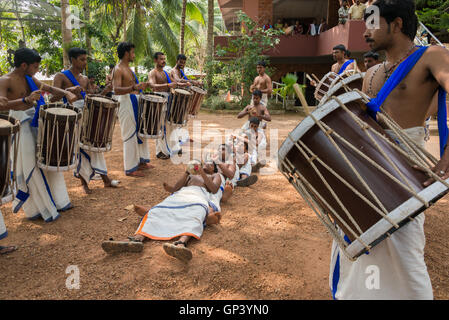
(125, 18)
(183, 25)
(87, 19)
(66, 32)
(210, 38)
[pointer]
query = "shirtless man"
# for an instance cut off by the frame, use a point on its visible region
(41, 193)
(370, 59)
(399, 258)
(262, 83)
(73, 79)
(343, 63)
(257, 109)
(178, 75)
(136, 154)
(208, 180)
(161, 82)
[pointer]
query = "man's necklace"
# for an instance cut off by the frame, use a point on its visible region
(390, 70)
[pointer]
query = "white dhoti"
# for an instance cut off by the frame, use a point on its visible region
(181, 214)
(397, 261)
(170, 143)
(89, 163)
(134, 153)
(40, 193)
(3, 231)
(215, 198)
(246, 168)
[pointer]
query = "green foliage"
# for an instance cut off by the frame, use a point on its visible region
(215, 102)
(434, 14)
(248, 49)
(287, 90)
(98, 70)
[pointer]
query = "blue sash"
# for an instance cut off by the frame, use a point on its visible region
(40, 102)
(398, 75)
(183, 75)
(72, 78)
(344, 66)
(168, 78)
(135, 104)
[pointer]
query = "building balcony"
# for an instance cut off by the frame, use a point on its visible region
(302, 46)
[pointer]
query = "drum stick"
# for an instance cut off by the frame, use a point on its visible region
(316, 78)
(302, 98)
(309, 77)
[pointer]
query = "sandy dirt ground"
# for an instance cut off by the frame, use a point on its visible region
(269, 245)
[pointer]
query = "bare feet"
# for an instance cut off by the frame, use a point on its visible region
(145, 166)
(167, 187)
(213, 217)
(136, 174)
(141, 210)
(178, 250)
(8, 249)
(108, 183)
(227, 192)
(85, 186)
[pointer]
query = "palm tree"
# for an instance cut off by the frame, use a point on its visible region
(87, 19)
(183, 24)
(210, 37)
(66, 32)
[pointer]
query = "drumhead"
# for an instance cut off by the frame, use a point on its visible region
(181, 91)
(153, 98)
(100, 99)
(199, 90)
(305, 125)
(61, 111)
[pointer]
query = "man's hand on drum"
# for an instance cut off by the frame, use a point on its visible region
(75, 90)
(3, 102)
(71, 97)
(172, 85)
(34, 96)
(441, 169)
(313, 83)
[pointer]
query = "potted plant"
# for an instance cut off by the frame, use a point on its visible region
(287, 92)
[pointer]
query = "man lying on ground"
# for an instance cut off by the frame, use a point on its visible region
(182, 215)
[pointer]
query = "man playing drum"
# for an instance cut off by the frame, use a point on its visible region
(136, 154)
(404, 85)
(161, 82)
(90, 163)
(41, 193)
(262, 83)
(178, 75)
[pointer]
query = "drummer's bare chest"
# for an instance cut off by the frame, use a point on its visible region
(18, 88)
(261, 82)
(82, 80)
(161, 77)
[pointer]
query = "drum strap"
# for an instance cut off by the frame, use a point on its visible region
(344, 66)
(135, 104)
(397, 76)
(72, 79)
(40, 102)
(168, 78)
(183, 75)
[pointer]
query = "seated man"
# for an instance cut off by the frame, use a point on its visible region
(244, 164)
(257, 142)
(256, 110)
(181, 215)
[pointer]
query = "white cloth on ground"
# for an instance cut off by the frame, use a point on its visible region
(133, 152)
(3, 231)
(399, 260)
(246, 168)
(40, 193)
(215, 198)
(182, 213)
(256, 153)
